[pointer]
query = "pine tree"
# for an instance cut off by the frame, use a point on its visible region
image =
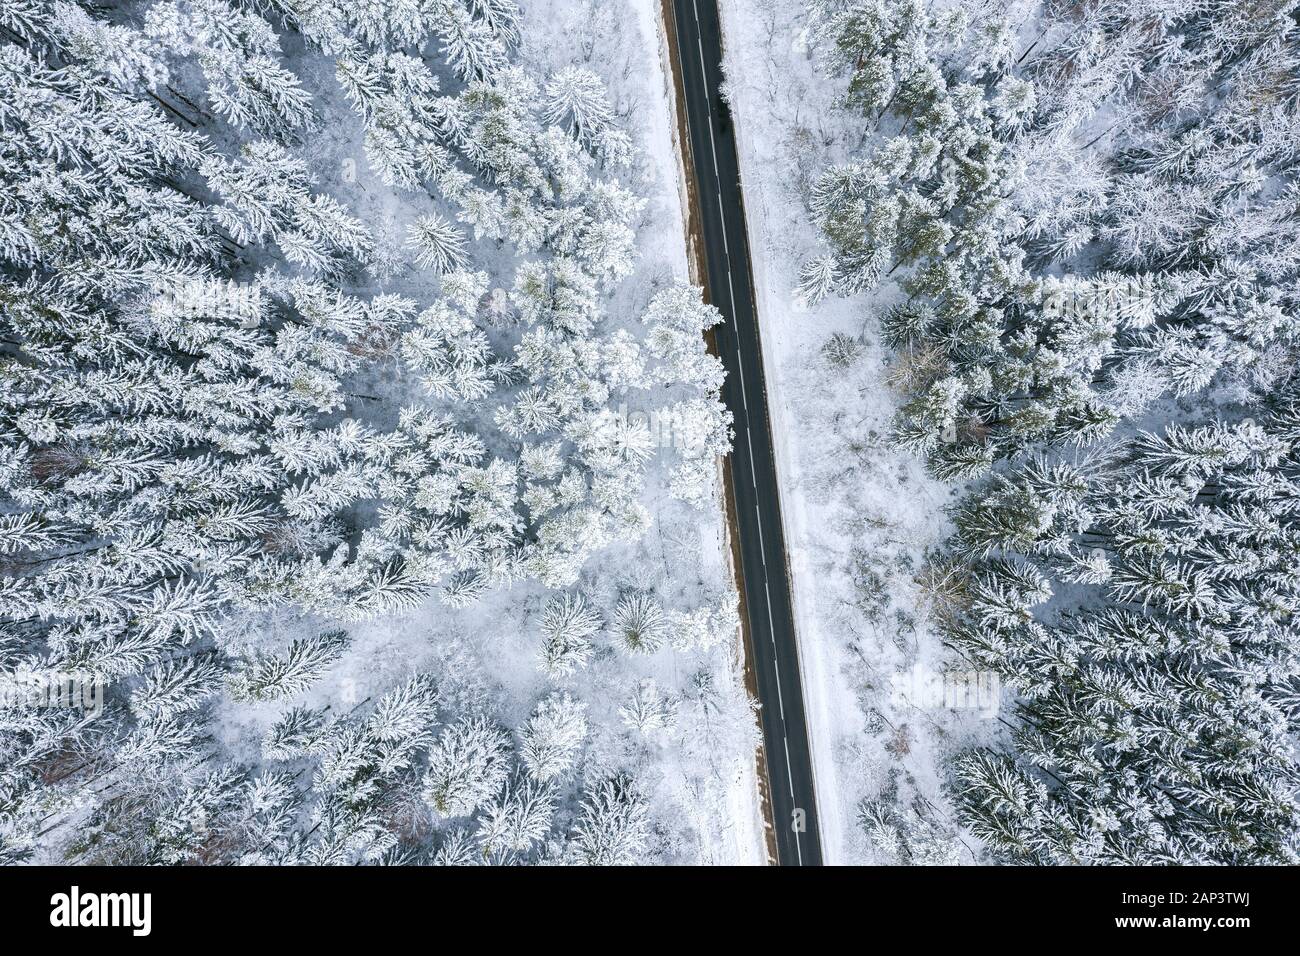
(1125, 684)
(614, 829)
(649, 713)
(639, 623)
(238, 52)
(576, 97)
(148, 397)
(567, 626)
(266, 196)
(296, 733)
(274, 677)
(550, 738)
(518, 819)
(467, 766)
(439, 244)
(175, 688)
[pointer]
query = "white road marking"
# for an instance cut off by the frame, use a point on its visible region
(708, 109)
(753, 475)
(780, 704)
(731, 297)
(731, 289)
(776, 665)
(771, 622)
(725, 252)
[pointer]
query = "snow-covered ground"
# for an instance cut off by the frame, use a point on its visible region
(860, 515)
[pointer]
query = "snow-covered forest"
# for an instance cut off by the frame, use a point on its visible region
(1075, 227)
(358, 443)
(361, 496)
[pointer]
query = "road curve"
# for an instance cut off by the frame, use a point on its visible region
(757, 506)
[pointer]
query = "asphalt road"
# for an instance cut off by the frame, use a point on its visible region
(753, 468)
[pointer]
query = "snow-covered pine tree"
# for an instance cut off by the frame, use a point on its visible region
(576, 97)
(639, 623)
(485, 146)
(177, 425)
(517, 819)
(551, 737)
(150, 402)
(568, 622)
(614, 829)
(649, 712)
(366, 776)
(1156, 701)
(969, 145)
(467, 767)
(238, 53)
(277, 676)
(1080, 229)
(438, 243)
(266, 196)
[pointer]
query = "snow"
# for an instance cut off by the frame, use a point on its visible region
(653, 712)
(859, 515)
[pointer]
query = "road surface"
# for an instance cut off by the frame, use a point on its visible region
(766, 580)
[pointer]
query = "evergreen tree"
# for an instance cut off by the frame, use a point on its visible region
(1155, 702)
(238, 53)
(614, 829)
(467, 767)
(273, 677)
(518, 819)
(550, 739)
(568, 623)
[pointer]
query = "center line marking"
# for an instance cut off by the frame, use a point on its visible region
(780, 701)
(740, 363)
